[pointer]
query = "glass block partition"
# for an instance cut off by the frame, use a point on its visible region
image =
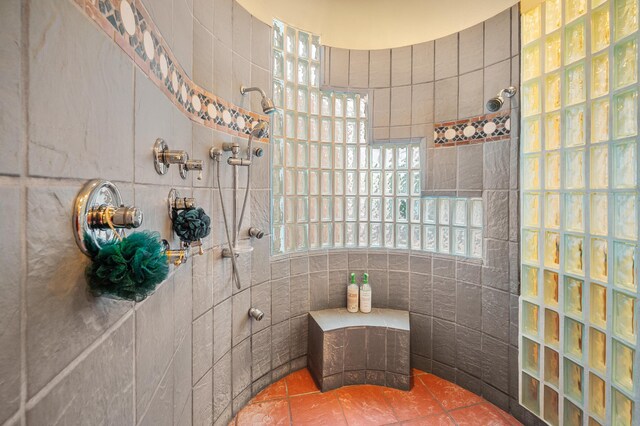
(331, 188)
(578, 307)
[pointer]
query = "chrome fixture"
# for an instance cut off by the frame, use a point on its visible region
(258, 131)
(256, 233)
(258, 152)
(234, 250)
(267, 104)
(176, 202)
(494, 104)
(176, 256)
(163, 157)
(256, 314)
(99, 214)
(191, 165)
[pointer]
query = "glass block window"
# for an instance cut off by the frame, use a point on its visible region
(331, 188)
(578, 308)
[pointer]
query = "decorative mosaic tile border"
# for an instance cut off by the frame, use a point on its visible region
(130, 26)
(485, 128)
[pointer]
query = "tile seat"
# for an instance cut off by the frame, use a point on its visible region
(356, 348)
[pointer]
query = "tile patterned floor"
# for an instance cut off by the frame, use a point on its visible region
(295, 400)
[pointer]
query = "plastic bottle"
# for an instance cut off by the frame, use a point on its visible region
(365, 295)
(352, 294)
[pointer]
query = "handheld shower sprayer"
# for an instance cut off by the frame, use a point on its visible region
(233, 250)
(494, 104)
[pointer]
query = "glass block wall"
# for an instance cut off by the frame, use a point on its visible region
(332, 188)
(578, 308)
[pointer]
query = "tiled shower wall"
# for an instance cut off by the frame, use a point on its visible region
(464, 313)
(188, 352)
(75, 107)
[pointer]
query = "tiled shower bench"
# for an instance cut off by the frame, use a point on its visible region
(355, 348)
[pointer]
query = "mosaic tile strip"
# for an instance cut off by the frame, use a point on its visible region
(130, 26)
(485, 128)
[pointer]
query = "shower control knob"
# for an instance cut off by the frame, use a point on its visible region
(127, 217)
(105, 216)
(193, 165)
(189, 166)
(258, 152)
(163, 157)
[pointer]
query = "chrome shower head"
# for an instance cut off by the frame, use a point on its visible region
(494, 104)
(267, 104)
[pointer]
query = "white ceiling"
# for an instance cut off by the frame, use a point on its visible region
(377, 24)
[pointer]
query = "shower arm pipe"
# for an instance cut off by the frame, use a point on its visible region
(236, 273)
(244, 90)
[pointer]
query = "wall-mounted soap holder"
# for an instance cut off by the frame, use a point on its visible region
(176, 202)
(163, 157)
(99, 214)
(181, 209)
(176, 256)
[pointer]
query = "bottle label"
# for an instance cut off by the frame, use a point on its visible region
(365, 301)
(352, 302)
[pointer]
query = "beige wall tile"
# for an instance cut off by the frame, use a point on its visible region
(401, 66)
(99, 390)
(62, 319)
(422, 65)
(380, 68)
(11, 122)
(339, 67)
(10, 315)
(77, 135)
(359, 68)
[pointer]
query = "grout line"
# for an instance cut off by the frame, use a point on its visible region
(437, 400)
(155, 392)
(71, 366)
(15, 418)
(24, 208)
(341, 408)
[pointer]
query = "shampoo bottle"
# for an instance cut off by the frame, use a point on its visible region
(352, 294)
(365, 295)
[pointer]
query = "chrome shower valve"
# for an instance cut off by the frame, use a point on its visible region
(163, 157)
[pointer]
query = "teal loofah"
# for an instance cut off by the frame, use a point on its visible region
(129, 269)
(191, 225)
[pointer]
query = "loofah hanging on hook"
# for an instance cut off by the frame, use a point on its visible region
(128, 269)
(191, 225)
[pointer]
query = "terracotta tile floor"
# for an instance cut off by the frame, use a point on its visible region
(295, 400)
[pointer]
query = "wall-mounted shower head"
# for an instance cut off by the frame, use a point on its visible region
(494, 104)
(267, 104)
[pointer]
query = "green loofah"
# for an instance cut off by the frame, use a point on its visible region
(191, 225)
(128, 269)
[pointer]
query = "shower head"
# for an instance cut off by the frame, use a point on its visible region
(267, 104)
(494, 104)
(260, 130)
